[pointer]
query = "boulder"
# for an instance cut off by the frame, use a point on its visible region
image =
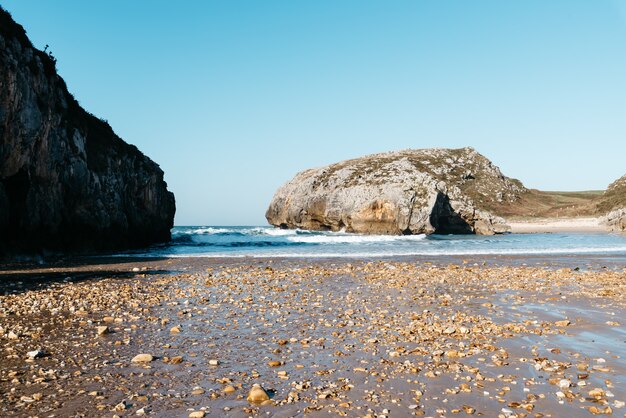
(67, 181)
(420, 191)
(612, 205)
(615, 220)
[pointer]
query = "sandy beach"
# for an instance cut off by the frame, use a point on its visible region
(555, 225)
(350, 338)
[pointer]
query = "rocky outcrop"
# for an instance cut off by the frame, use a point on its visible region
(613, 201)
(405, 192)
(615, 220)
(67, 181)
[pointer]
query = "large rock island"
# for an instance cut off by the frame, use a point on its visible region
(67, 181)
(404, 192)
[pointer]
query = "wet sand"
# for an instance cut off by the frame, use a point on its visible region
(411, 337)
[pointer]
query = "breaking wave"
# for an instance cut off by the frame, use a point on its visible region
(262, 241)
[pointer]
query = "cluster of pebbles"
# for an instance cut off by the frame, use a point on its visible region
(295, 338)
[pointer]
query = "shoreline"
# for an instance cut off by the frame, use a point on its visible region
(556, 225)
(341, 337)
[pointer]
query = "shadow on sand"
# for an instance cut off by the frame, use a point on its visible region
(22, 276)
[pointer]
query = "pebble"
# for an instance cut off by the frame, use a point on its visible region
(564, 383)
(257, 394)
(35, 354)
(197, 391)
(102, 330)
(197, 414)
(142, 358)
(416, 336)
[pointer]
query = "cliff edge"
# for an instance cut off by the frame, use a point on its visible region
(67, 181)
(405, 192)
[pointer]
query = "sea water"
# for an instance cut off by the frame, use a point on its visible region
(263, 241)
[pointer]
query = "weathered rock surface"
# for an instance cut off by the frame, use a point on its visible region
(615, 220)
(67, 181)
(613, 204)
(404, 192)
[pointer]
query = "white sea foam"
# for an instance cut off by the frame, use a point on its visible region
(211, 230)
(381, 254)
(342, 238)
(275, 232)
(203, 231)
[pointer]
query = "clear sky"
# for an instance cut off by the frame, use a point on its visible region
(233, 97)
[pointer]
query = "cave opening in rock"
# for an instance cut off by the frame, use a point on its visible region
(445, 220)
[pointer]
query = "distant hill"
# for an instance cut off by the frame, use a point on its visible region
(614, 197)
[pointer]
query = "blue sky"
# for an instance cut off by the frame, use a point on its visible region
(232, 98)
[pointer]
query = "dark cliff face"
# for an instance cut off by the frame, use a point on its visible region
(67, 181)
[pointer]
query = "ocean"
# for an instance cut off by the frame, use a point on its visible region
(264, 241)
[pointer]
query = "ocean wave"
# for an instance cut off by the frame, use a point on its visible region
(276, 232)
(236, 244)
(342, 238)
(391, 254)
(212, 230)
(203, 231)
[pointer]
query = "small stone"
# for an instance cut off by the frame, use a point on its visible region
(142, 358)
(562, 323)
(214, 362)
(564, 384)
(596, 393)
(229, 389)
(449, 330)
(274, 363)
(102, 330)
(257, 394)
(468, 409)
(120, 406)
(595, 410)
(176, 360)
(452, 354)
(197, 391)
(12, 336)
(197, 414)
(35, 354)
(175, 330)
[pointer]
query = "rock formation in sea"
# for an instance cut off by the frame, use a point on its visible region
(405, 192)
(67, 181)
(613, 204)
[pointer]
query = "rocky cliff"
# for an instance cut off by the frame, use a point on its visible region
(67, 181)
(405, 192)
(613, 203)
